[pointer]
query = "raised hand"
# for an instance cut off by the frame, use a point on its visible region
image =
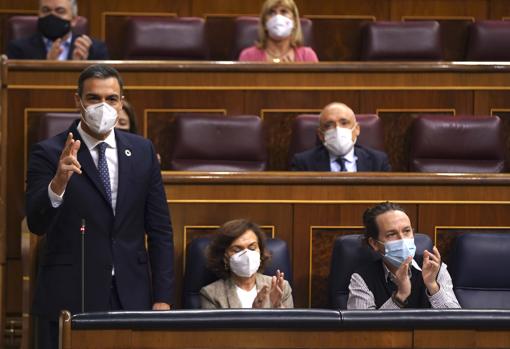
(402, 280)
(67, 165)
(55, 50)
(276, 293)
(430, 269)
(81, 48)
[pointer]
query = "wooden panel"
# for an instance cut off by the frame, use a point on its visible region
(444, 339)
(250, 338)
(203, 7)
(472, 8)
(93, 10)
(376, 8)
(13, 299)
(498, 9)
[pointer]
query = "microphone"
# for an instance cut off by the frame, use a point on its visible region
(82, 233)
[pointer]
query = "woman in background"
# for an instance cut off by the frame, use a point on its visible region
(127, 118)
(280, 36)
(237, 255)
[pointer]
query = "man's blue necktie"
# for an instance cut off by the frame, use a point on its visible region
(341, 162)
(102, 167)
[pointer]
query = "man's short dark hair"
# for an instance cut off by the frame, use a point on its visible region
(371, 214)
(99, 71)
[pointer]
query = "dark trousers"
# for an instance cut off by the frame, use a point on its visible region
(46, 330)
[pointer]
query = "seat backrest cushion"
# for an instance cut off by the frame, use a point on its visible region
(479, 266)
(210, 143)
(396, 41)
(444, 143)
(150, 37)
(52, 124)
(489, 41)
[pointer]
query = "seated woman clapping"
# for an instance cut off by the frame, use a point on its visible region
(237, 255)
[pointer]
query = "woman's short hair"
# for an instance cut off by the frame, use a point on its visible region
(130, 112)
(226, 234)
(296, 37)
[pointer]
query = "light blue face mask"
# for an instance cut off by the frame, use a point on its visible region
(397, 251)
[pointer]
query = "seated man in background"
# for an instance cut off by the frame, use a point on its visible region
(54, 39)
(338, 131)
(398, 281)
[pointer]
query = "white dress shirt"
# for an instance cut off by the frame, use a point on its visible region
(246, 297)
(111, 158)
(349, 161)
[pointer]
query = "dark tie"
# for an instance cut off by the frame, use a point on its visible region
(102, 167)
(341, 162)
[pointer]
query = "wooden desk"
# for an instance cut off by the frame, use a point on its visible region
(281, 329)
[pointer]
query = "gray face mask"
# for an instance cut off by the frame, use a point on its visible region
(245, 263)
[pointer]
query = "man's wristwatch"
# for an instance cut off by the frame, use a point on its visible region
(398, 301)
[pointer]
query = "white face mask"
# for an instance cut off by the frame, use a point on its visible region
(100, 118)
(338, 140)
(245, 263)
(279, 27)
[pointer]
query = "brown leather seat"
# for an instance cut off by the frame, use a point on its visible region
(304, 132)
(445, 143)
(181, 38)
(211, 143)
(401, 41)
(246, 33)
(22, 26)
(489, 41)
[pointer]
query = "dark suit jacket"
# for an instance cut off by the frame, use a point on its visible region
(317, 159)
(142, 277)
(32, 47)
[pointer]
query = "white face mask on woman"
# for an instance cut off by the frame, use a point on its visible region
(279, 27)
(100, 118)
(338, 140)
(245, 263)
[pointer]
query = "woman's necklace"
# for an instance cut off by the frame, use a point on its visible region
(275, 57)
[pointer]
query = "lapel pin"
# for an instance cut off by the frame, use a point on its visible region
(127, 152)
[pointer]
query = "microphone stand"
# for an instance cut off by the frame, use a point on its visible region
(82, 233)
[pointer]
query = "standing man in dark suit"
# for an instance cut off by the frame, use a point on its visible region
(338, 131)
(108, 184)
(54, 39)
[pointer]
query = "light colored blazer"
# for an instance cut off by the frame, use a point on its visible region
(222, 294)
